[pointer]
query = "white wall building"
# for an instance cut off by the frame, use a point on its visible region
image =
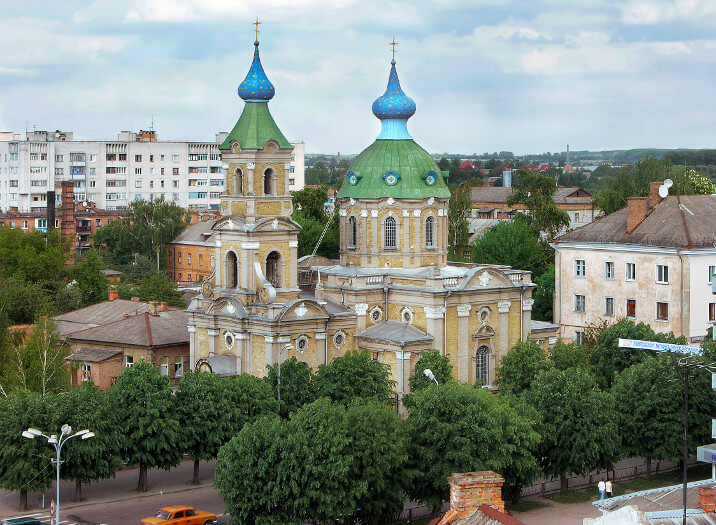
(114, 173)
(650, 262)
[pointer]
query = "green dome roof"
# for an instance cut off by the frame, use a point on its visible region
(394, 168)
(255, 128)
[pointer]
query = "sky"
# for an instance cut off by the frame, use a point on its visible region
(486, 75)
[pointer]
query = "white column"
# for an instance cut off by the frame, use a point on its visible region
(463, 351)
(434, 321)
(504, 309)
(321, 348)
(211, 334)
(218, 262)
(192, 346)
(361, 309)
(526, 318)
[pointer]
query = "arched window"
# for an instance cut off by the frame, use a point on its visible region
(430, 232)
(273, 269)
(482, 365)
(232, 270)
(268, 182)
(389, 234)
(352, 232)
(238, 182)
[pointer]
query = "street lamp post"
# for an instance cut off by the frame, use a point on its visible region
(65, 435)
(286, 347)
(429, 374)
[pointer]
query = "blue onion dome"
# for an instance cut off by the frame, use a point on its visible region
(256, 86)
(394, 104)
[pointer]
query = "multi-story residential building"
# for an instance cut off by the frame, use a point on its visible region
(190, 257)
(652, 262)
(111, 174)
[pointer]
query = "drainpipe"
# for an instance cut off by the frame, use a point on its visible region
(681, 293)
(386, 290)
(402, 371)
(448, 294)
(522, 295)
(559, 289)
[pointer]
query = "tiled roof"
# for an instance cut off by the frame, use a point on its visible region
(686, 221)
(255, 128)
(484, 515)
(166, 328)
(394, 332)
(98, 314)
(198, 233)
(92, 355)
(499, 195)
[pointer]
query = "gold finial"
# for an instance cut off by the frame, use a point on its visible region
(256, 28)
(393, 44)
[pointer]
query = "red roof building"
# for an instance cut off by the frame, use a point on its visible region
(467, 165)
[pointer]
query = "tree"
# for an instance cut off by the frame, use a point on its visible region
(458, 212)
(297, 387)
(251, 398)
(454, 427)
(543, 296)
(155, 287)
(563, 356)
(25, 464)
(513, 243)
(89, 279)
(87, 460)
(520, 366)
(37, 364)
(648, 410)
(311, 231)
(24, 301)
(535, 191)
(203, 408)
(354, 375)
(578, 423)
(33, 256)
(143, 414)
(438, 364)
(147, 228)
(310, 201)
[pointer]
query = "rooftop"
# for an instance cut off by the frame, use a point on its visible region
(163, 329)
(394, 332)
(199, 233)
(499, 195)
(93, 355)
(98, 314)
(685, 221)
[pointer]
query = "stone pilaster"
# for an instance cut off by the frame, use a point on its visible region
(192, 346)
(504, 309)
(526, 317)
(463, 350)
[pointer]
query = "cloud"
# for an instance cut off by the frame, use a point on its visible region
(649, 12)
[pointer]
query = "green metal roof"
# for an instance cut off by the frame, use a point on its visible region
(255, 128)
(405, 158)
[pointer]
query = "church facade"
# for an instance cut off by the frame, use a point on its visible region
(392, 292)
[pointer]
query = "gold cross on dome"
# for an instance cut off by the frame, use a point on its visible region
(256, 27)
(393, 44)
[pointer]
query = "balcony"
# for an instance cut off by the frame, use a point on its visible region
(78, 163)
(84, 228)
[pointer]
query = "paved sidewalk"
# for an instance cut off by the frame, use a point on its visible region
(558, 513)
(121, 487)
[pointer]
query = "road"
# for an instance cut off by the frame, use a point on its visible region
(112, 502)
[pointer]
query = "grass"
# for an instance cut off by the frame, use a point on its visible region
(525, 505)
(572, 496)
(695, 473)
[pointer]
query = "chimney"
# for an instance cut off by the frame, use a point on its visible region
(470, 490)
(163, 306)
(706, 499)
(654, 197)
(67, 226)
(113, 294)
(50, 210)
(636, 212)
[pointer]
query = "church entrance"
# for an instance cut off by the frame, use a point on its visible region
(273, 269)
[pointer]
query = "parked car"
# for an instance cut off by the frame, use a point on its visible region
(21, 521)
(180, 515)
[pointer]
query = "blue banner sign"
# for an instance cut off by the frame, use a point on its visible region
(659, 347)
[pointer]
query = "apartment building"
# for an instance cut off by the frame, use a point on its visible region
(111, 174)
(651, 262)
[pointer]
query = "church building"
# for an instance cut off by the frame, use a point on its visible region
(392, 293)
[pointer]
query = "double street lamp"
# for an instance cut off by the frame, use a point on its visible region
(57, 442)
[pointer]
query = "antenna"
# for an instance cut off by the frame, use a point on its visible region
(668, 183)
(663, 191)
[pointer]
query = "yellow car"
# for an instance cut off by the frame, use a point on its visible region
(180, 515)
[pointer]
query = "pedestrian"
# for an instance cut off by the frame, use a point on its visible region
(602, 488)
(608, 488)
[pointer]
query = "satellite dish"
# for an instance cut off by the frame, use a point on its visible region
(668, 183)
(663, 191)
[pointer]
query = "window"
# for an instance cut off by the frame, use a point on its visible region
(137, 158)
(151, 183)
(93, 157)
(630, 272)
(482, 365)
(24, 225)
(151, 158)
(609, 270)
(175, 183)
(161, 158)
(179, 367)
(128, 361)
(122, 156)
(137, 171)
(98, 222)
(164, 367)
(631, 308)
(609, 306)
(200, 260)
(175, 158)
(93, 171)
(712, 312)
(188, 258)
(137, 183)
(93, 183)
(389, 234)
(429, 229)
(151, 171)
(662, 311)
(58, 158)
(175, 171)
(580, 303)
(352, 232)
(662, 274)
(712, 272)
(580, 268)
(179, 257)
(59, 171)
(579, 337)
(175, 196)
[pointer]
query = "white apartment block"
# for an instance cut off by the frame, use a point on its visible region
(112, 174)
(651, 262)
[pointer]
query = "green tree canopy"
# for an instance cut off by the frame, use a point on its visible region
(203, 407)
(515, 244)
(454, 427)
(309, 201)
(251, 398)
(354, 375)
(543, 296)
(154, 287)
(87, 460)
(578, 423)
(519, 367)
(535, 191)
(438, 364)
(25, 464)
(89, 279)
(563, 356)
(34, 256)
(458, 212)
(297, 387)
(149, 433)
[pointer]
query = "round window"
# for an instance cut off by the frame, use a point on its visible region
(376, 314)
(302, 344)
(407, 316)
(229, 340)
(338, 339)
